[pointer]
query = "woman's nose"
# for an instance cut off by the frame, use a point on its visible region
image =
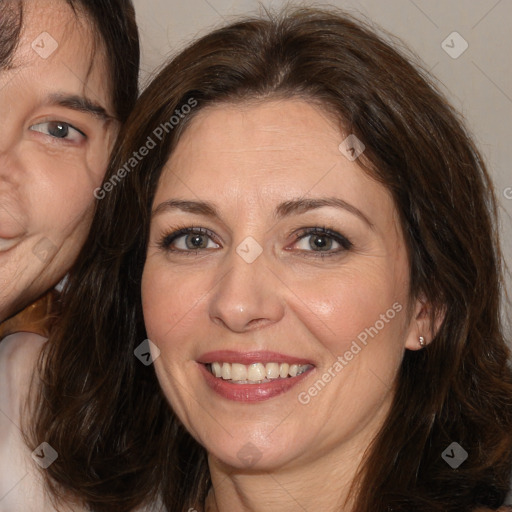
(248, 297)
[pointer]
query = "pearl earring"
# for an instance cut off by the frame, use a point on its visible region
(422, 341)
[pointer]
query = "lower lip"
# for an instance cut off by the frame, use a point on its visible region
(251, 392)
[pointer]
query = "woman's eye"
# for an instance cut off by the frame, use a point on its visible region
(59, 130)
(189, 240)
(322, 240)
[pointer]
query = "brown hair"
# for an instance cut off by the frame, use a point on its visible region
(119, 442)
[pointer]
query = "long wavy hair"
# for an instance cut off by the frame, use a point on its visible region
(120, 445)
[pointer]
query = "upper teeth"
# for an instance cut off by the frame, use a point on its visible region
(256, 372)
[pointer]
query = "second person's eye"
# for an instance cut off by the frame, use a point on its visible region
(59, 130)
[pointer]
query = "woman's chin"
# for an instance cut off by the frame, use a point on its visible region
(250, 457)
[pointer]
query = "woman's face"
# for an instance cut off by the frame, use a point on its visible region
(278, 265)
(55, 138)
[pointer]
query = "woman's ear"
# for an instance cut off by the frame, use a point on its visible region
(424, 324)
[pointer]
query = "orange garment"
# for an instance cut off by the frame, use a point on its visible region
(37, 317)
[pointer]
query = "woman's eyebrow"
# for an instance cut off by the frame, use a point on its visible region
(80, 104)
(197, 207)
(285, 209)
(303, 205)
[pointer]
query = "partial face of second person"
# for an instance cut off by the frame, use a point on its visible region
(55, 139)
(269, 246)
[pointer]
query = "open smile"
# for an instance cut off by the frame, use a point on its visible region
(252, 377)
(256, 373)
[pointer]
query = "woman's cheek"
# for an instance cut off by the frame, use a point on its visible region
(167, 300)
(346, 310)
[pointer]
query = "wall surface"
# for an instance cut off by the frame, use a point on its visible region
(478, 81)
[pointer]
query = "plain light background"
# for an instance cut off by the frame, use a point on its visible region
(478, 82)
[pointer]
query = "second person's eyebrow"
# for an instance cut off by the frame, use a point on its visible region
(297, 206)
(80, 104)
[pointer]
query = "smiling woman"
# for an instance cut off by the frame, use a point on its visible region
(302, 232)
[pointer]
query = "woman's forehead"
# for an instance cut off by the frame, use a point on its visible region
(267, 154)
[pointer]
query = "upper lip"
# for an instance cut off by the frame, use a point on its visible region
(260, 356)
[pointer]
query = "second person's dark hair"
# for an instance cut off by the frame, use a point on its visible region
(114, 26)
(115, 22)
